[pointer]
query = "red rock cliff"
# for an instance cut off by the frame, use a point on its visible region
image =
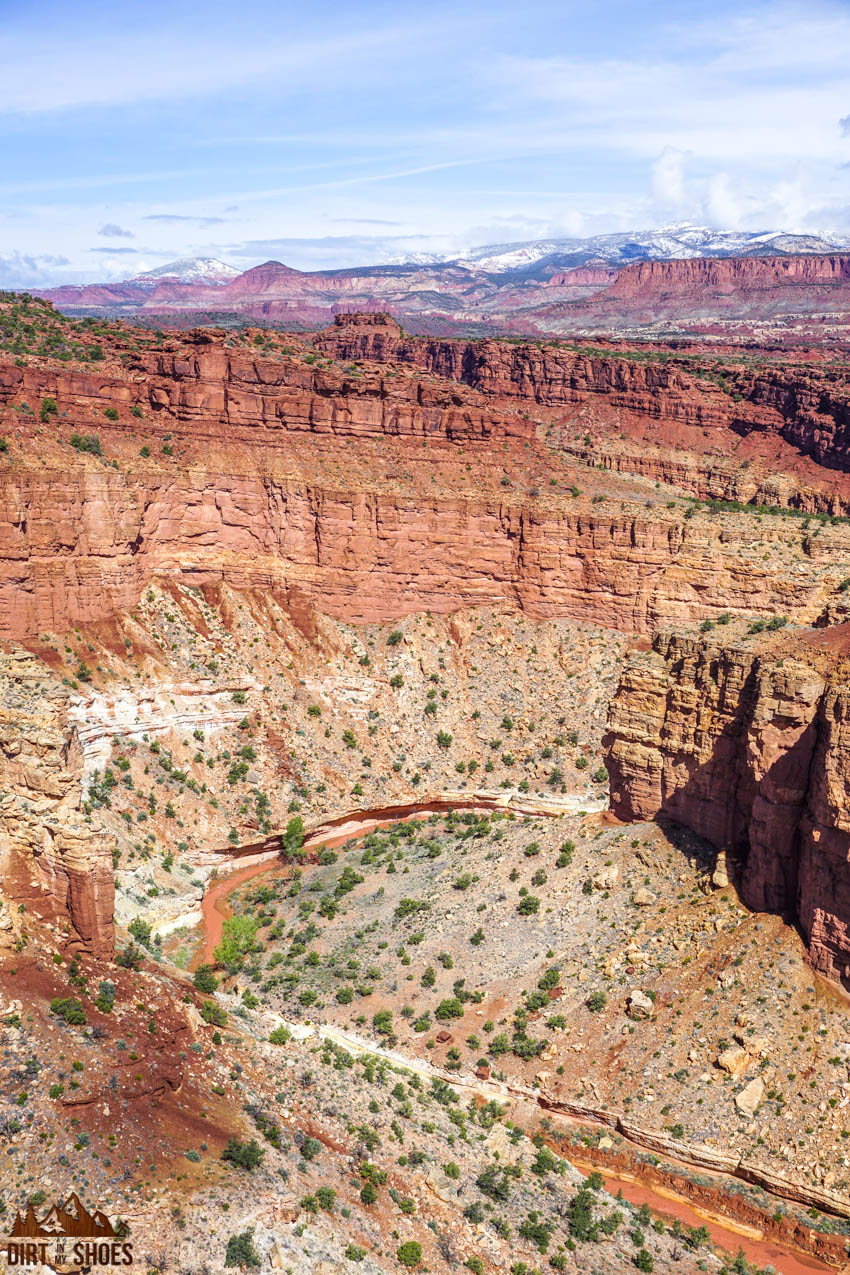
(749, 748)
(699, 276)
(807, 407)
(52, 859)
(372, 491)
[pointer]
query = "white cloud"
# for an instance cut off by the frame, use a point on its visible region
(668, 179)
(723, 204)
(23, 270)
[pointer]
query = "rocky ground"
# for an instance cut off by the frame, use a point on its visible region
(354, 1159)
(598, 964)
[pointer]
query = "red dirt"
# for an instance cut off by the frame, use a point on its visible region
(761, 1252)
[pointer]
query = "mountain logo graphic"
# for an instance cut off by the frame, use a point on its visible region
(69, 1219)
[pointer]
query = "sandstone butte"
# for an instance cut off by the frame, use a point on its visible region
(368, 475)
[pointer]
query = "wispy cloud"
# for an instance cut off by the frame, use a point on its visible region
(364, 221)
(78, 68)
(112, 231)
(173, 219)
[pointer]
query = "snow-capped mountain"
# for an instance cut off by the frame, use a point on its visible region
(189, 270)
(669, 243)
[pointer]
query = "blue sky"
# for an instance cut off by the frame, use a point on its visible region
(333, 134)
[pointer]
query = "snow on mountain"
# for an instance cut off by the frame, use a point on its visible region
(189, 270)
(666, 244)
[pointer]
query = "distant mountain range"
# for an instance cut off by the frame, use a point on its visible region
(669, 244)
(687, 279)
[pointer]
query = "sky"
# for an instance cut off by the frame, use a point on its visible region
(335, 134)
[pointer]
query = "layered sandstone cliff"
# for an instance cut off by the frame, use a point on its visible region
(807, 408)
(729, 277)
(80, 544)
(372, 492)
(55, 861)
(748, 746)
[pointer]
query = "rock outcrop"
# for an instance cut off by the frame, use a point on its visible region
(749, 748)
(807, 407)
(54, 860)
(415, 511)
(81, 544)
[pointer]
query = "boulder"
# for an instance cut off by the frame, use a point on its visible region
(605, 878)
(734, 1060)
(639, 1005)
(749, 1099)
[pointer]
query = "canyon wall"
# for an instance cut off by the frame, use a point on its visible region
(80, 544)
(708, 477)
(808, 408)
(215, 390)
(695, 277)
(263, 496)
(54, 860)
(750, 748)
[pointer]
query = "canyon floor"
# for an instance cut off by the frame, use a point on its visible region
(569, 624)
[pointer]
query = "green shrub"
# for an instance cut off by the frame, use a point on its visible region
(86, 443)
(410, 1253)
(241, 1251)
(105, 999)
(383, 1022)
(280, 1035)
(141, 931)
(237, 941)
(69, 1009)
(204, 979)
(213, 1013)
(244, 1155)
